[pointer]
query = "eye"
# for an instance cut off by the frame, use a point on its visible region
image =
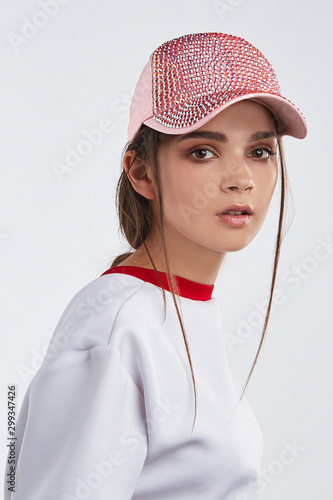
(202, 154)
(261, 153)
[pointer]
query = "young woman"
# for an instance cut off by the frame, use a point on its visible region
(135, 398)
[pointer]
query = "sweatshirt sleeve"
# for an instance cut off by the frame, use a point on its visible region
(81, 431)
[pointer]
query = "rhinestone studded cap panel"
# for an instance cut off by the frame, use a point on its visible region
(195, 74)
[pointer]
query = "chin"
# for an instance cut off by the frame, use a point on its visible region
(234, 246)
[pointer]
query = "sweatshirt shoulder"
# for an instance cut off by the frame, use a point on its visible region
(90, 317)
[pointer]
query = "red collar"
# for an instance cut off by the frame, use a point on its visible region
(187, 288)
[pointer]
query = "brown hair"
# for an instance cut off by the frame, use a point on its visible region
(137, 218)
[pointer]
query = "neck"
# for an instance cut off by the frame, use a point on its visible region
(186, 258)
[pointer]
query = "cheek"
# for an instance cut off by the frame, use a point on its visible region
(265, 184)
(180, 190)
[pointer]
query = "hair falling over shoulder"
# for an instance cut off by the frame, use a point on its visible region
(137, 220)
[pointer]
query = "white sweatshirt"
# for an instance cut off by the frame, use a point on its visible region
(109, 414)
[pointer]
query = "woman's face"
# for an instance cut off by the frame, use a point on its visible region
(230, 163)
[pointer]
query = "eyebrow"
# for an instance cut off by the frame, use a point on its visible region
(262, 134)
(219, 136)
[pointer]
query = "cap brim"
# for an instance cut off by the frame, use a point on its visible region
(290, 119)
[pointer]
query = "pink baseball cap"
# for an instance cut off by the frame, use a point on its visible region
(190, 79)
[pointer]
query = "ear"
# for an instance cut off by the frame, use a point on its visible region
(139, 175)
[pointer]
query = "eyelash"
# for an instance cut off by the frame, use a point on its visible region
(268, 150)
(200, 149)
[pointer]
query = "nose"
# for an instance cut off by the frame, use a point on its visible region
(237, 176)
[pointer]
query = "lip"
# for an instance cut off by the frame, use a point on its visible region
(236, 220)
(244, 208)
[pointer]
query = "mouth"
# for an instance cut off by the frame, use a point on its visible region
(238, 210)
(236, 215)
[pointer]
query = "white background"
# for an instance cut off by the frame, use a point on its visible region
(59, 233)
